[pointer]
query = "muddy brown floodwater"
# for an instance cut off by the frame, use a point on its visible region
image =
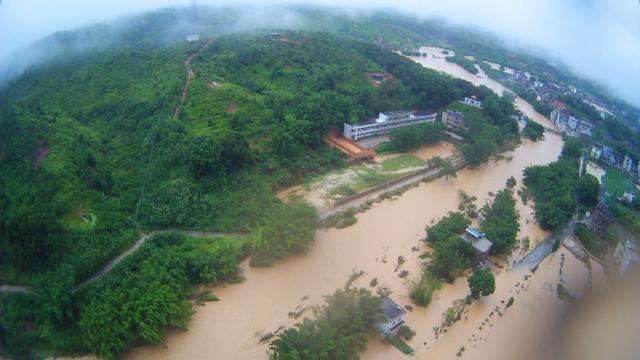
(435, 59)
(230, 328)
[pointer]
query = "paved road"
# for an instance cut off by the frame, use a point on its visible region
(535, 256)
(411, 178)
(111, 264)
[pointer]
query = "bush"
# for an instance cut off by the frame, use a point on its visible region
(421, 290)
(338, 332)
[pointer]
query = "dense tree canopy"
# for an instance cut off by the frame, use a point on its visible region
(412, 137)
(454, 223)
(588, 190)
(554, 187)
(338, 332)
(481, 283)
(501, 221)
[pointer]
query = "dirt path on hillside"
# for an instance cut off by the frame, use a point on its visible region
(187, 64)
(112, 264)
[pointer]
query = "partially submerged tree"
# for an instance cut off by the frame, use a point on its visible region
(481, 283)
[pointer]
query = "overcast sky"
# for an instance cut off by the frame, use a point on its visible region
(598, 39)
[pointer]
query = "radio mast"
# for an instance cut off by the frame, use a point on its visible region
(194, 35)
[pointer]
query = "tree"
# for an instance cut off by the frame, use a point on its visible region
(446, 167)
(500, 221)
(588, 190)
(533, 130)
(572, 148)
(204, 155)
(481, 283)
(453, 256)
(35, 234)
(511, 183)
(454, 223)
(287, 229)
(339, 331)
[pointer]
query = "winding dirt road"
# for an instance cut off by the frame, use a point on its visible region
(112, 264)
(187, 64)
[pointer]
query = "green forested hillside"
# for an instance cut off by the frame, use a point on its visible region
(90, 155)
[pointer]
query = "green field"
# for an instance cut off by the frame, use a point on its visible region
(401, 162)
(616, 182)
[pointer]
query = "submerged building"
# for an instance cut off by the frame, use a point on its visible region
(393, 314)
(386, 122)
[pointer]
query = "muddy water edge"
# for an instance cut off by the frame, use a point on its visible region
(232, 327)
(264, 303)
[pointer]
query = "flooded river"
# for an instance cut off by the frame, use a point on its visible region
(231, 328)
(435, 59)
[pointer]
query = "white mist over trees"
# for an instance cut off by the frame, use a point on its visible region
(597, 39)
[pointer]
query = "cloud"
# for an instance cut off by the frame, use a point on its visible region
(597, 39)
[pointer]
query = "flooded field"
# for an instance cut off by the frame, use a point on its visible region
(435, 59)
(231, 328)
(322, 191)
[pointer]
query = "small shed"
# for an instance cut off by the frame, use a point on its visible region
(394, 314)
(476, 238)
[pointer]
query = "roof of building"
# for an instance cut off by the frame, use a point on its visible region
(475, 232)
(424, 113)
(396, 113)
(391, 309)
(476, 238)
(559, 105)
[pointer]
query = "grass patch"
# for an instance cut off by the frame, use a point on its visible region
(399, 344)
(369, 178)
(401, 162)
(616, 182)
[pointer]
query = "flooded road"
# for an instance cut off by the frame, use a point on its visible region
(231, 328)
(435, 59)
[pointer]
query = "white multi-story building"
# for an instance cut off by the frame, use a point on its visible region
(453, 119)
(627, 163)
(596, 151)
(472, 101)
(386, 122)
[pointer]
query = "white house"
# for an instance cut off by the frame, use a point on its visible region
(193, 37)
(473, 101)
(394, 314)
(386, 122)
(627, 163)
(596, 151)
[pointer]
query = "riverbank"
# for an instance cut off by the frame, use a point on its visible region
(232, 327)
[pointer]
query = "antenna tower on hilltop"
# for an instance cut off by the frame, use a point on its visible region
(193, 36)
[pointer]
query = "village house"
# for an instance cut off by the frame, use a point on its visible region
(394, 314)
(600, 217)
(629, 197)
(625, 255)
(609, 155)
(596, 151)
(473, 101)
(481, 245)
(386, 122)
(627, 164)
(453, 120)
